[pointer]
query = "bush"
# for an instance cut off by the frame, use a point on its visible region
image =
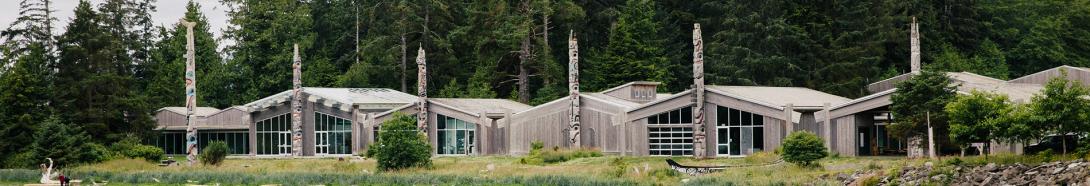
(400, 145)
(619, 167)
(100, 153)
(539, 156)
(803, 148)
(21, 160)
(147, 152)
(214, 153)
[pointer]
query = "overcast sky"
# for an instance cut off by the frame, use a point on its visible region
(168, 12)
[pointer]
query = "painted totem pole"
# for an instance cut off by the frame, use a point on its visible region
(190, 93)
(698, 92)
(296, 103)
(573, 89)
(422, 92)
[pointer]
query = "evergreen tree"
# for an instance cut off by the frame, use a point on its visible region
(24, 100)
(65, 143)
(265, 32)
(34, 25)
(214, 80)
(918, 101)
(93, 83)
(634, 52)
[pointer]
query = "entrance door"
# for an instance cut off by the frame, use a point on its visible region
(729, 141)
(321, 142)
(723, 141)
(285, 143)
(863, 139)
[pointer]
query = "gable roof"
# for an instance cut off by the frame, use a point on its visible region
(477, 106)
(364, 97)
(799, 97)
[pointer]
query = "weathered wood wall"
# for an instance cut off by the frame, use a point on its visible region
(845, 140)
(546, 123)
(230, 117)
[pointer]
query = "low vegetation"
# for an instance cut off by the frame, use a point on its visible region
(400, 145)
(540, 156)
(803, 148)
(214, 153)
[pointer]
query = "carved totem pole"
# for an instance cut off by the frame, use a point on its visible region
(296, 103)
(573, 90)
(422, 92)
(914, 41)
(698, 93)
(190, 93)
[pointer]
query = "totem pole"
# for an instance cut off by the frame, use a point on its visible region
(296, 104)
(573, 90)
(915, 45)
(190, 94)
(422, 92)
(698, 92)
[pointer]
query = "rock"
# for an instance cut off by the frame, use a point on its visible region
(1031, 172)
(990, 167)
(938, 177)
(928, 164)
(1057, 170)
(1073, 165)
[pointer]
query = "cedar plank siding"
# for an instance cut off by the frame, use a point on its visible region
(547, 123)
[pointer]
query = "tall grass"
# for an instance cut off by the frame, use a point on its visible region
(312, 178)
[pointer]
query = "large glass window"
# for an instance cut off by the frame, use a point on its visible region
(172, 142)
(738, 132)
(671, 133)
(274, 135)
(332, 134)
(454, 136)
(237, 141)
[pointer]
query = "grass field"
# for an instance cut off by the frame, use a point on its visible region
(486, 170)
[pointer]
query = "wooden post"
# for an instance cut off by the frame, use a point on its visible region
(930, 137)
(573, 91)
(296, 103)
(698, 92)
(914, 34)
(422, 92)
(828, 132)
(190, 93)
(788, 112)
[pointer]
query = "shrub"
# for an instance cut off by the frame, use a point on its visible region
(400, 145)
(147, 152)
(803, 148)
(214, 153)
(100, 153)
(21, 160)
(619, 167)
(538, 156)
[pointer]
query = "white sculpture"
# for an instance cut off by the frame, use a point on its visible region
(48, 174)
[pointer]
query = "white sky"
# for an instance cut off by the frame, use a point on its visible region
(168, 12)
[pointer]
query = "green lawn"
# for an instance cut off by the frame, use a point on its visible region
(505, 170)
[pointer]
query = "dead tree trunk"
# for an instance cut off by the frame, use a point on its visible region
(524, 76)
